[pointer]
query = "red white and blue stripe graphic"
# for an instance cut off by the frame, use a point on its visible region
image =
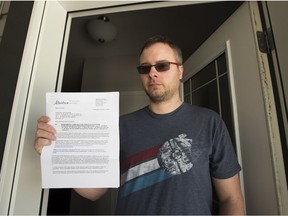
(141, 171)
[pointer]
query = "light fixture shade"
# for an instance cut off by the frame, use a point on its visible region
(101, 29)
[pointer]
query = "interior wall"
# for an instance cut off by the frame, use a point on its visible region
(95, 70)
(99, 74)
(131, 101)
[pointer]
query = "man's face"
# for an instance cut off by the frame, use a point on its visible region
(161, 86)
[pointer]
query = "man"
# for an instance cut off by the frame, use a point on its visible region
(171, 152)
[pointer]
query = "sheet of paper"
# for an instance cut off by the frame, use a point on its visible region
(86, 151)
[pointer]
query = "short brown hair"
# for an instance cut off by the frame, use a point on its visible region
(162, 39)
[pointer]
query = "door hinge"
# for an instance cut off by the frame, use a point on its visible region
(265, 41)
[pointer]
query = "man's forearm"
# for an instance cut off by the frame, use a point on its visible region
(91, 193)
(232, 207)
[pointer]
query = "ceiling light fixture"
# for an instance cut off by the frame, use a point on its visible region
(101, 29)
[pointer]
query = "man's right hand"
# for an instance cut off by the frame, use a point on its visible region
(45, 134)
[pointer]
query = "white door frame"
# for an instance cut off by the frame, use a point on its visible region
(271, 117)
(20, 184)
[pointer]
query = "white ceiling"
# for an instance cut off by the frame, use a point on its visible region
(189, 26)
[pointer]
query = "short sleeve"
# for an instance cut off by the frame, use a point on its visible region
(223, 160)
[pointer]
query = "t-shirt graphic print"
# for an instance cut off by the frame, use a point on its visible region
(154, 165)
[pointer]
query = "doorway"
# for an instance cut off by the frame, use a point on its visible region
(87, 72)
(39, 73)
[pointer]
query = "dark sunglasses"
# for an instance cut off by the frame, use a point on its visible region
(160, 67)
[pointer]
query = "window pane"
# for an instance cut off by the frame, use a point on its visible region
(187, 88)
(187, 99)
(187, 91)
(221, 63)
(205, 75)
(207, 96)
(226, 106)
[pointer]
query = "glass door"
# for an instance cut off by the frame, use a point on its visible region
(210, 88)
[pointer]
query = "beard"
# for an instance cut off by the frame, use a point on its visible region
(158, 96)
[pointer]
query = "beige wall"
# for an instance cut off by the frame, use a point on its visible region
(129, 100)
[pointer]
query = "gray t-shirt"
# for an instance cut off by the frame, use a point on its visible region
(167, 161)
